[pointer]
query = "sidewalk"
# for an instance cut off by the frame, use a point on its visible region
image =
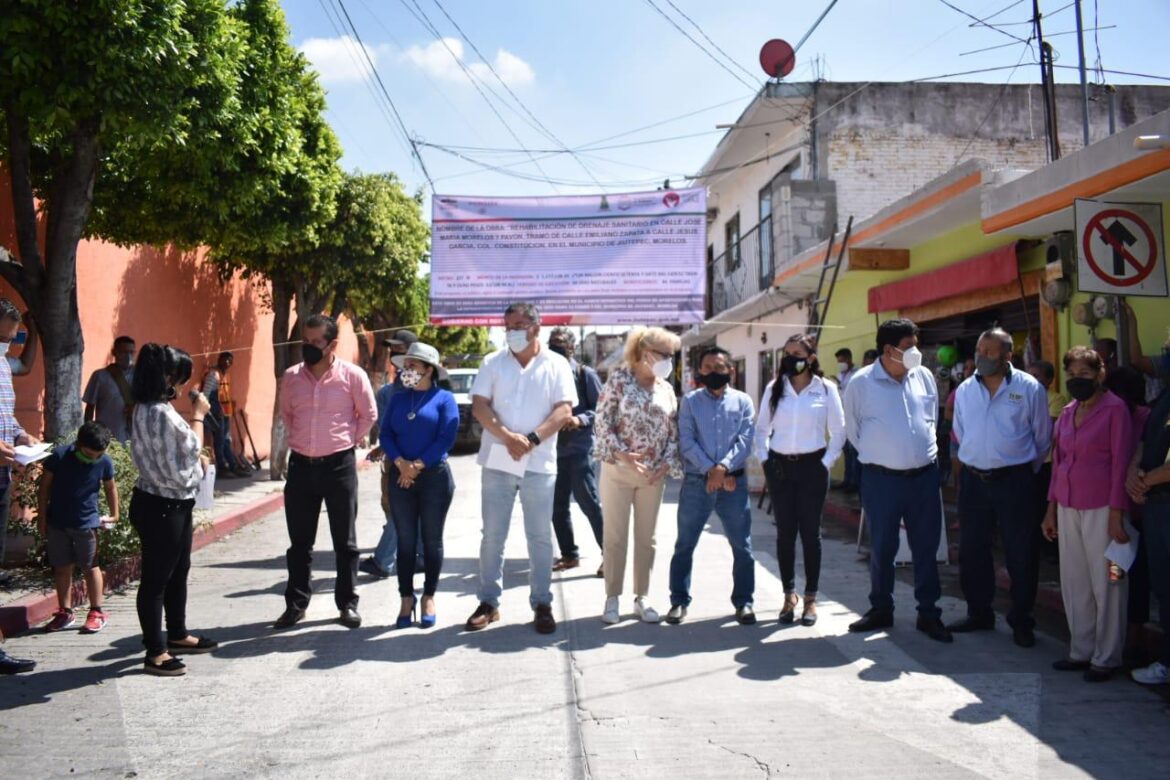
(237, 503)
(707, 698)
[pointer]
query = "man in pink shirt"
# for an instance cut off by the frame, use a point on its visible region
(327, 405)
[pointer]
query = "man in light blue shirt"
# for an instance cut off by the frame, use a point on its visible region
(715, 430)
(891, 413)
(1004, 433)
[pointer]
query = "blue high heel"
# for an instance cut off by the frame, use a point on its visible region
(426, 621)
(406, 621)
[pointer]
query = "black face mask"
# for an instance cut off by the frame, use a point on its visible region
(560, 350)
(1081, 388)
(312, 354)
(793, 365)
(714, 381)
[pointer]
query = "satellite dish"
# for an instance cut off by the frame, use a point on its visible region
(777, 58)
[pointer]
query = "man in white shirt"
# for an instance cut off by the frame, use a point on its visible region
(522, 396)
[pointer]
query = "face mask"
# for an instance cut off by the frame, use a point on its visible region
(842, 367)
(410, 378)
(911, 358)
(988, 366)
(714, 381)
(663, 368)
(518, 340)
(560, 350)
(81, 456)
(792, 365)
(312, 354)
(1081, 388)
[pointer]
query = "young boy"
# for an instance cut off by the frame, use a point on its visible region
(68, 519)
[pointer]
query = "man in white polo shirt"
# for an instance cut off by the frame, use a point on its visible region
(522, 396)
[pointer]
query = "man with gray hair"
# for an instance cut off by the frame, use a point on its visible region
(1004, 433)
(522, 396)
(575, 475)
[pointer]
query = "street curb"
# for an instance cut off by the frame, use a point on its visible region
(24, 613)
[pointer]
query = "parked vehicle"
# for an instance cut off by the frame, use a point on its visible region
(469, 430)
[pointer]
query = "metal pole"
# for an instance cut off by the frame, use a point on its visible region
(1049, 130)
(1123, 356)
(1084, 76)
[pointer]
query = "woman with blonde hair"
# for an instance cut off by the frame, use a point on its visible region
(637, 443)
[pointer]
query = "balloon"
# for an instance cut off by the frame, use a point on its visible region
(947, 355)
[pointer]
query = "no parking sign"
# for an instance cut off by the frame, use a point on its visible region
(1120, 248)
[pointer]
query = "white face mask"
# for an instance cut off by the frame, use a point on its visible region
(4, 348)
(911, 358)
(842, 367)
(518, 340)
(410, 378)
(663, 368)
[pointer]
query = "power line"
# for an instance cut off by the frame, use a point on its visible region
(386, 93)
(1029, 22)
(995, 103)
(983, 21)
(1046, 35)
(980, 22)
(701, 47)
(695, 24)
(519, 102)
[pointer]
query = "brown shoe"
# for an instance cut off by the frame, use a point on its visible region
(601, 569)
(484, 615)
(543, 619)
(562, 564)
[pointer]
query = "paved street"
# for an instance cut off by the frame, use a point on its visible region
(705, 699)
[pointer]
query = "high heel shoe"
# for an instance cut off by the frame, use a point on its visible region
(406, 621)
(788, 613)
(426, 621)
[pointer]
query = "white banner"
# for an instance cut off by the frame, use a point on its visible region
(590, 259)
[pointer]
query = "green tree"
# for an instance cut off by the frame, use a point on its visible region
(153, 121)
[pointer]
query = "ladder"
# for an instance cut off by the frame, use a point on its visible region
(819, 306)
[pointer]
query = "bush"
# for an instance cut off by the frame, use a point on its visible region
(114, 544)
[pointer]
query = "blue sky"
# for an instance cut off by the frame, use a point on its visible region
(591, 71)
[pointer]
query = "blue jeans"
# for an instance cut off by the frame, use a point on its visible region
(420, 512)
(1157, 534)
(575, 479)
(386, 553)
(222, 437)
(695, 505)
(888, 500)
(499, 490)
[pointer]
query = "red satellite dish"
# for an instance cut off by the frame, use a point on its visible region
(777, 58)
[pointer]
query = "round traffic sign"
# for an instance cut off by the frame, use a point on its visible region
(1118, 237)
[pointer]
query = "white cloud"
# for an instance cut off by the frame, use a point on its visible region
(339, 60)
(442, 62)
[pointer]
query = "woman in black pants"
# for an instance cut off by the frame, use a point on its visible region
(418, 430)
(167, 452)
(800, 432)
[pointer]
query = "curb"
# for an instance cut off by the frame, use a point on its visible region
(26, 612)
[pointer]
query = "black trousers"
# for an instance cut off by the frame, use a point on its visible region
(575, 479)
(421, 509)
(1007, 502)
(332, 481)
(164, 528)
(798, 490)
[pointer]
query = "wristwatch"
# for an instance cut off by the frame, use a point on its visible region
(534, 438)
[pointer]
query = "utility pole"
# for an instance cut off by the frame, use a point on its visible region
(1048, 129)
(1084, 76)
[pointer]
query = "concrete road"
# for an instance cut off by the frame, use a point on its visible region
(708, 698)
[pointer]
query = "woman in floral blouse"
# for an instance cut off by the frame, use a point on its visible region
(636, 440)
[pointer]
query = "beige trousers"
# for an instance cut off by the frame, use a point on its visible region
(622, 489)
(1094, 606)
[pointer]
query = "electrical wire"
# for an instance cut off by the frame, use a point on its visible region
(1027, 47)
(980, 22)
(706, 37)
(701, 47)
(1046, 35)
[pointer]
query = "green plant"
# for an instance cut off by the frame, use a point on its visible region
(114, 544)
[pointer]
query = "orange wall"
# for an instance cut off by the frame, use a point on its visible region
(171, 297)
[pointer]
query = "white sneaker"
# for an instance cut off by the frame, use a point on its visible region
(1154, 674)
(611, 614)
(647, 613)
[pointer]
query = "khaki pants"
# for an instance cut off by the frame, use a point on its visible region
(621, 488)
(1094, 606)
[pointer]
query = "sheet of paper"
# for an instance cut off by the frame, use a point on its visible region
(1124, 554)
(31, 453)
(500, 460)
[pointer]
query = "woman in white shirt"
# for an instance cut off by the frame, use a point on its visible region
(800, 432)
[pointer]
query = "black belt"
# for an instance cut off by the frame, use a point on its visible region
(296, 457)
(990, 475)
(797, 457)
(901, 472)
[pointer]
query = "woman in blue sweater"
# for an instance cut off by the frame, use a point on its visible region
(419, 428)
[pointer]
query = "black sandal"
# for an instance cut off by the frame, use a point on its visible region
(172, 667)
(204, 645)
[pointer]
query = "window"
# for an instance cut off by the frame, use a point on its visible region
(731, 243)
(767, 368)
(739, 374)
(767, 268)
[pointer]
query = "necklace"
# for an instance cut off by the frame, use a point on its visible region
(414, 406)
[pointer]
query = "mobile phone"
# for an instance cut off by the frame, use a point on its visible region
(193, 395)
